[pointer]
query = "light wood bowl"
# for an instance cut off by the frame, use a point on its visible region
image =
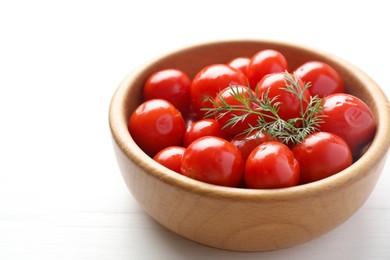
(244, 219)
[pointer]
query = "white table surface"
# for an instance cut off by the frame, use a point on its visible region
(61, 192)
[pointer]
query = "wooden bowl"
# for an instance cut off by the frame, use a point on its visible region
(245, 219)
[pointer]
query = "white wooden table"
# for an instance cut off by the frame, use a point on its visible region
(61, 192)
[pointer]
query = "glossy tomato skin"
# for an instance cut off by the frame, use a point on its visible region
(155, 125)
(324, 79)
(350, 118)
(170, 157)
(213, 160)
(289, 103)
(265, 62)
(240, 63)
(172, 85)
(271, 165)
(321, 155)
(227, 95)
(201, 128)
(245, 144)
(209, 81)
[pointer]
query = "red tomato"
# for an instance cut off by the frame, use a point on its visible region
(271, 165)
(227, 95)
(245, 144)
(324, 79)
(203, 127)
(209, 81)
(265, 62)
(321, 155)
(350, 118)
(213, 160)
(172, 85)
(289, 103)
(155, 125)
(240, 63)
(170, 157)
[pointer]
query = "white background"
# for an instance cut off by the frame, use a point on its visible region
(61, 192)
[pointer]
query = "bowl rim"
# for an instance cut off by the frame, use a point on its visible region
(376, 151)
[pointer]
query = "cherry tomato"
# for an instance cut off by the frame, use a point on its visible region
(209, 81)
(170, 157)
(227, 95)
(265, 62)
(271, 165)
(200, 128)
(350, 118)
(213, 160)
(321, 155)
(246, 143)
(155, 125)
(240, 63)
(324, 79)
(289, 106)
(172, 85)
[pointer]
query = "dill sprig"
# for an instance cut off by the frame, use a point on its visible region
(291, 131)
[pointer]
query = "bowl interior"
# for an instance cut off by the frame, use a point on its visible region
(194, 58)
